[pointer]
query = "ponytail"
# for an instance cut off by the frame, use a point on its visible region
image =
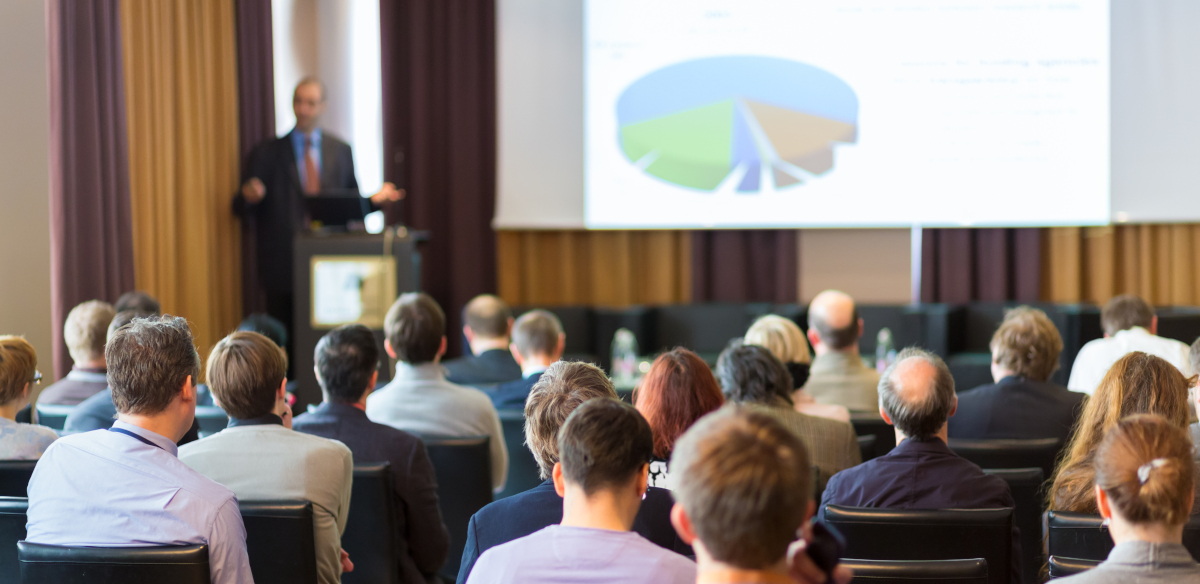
(1144, 465)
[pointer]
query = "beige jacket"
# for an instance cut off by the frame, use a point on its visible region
(843, 379)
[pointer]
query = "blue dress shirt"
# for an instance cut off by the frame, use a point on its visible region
(298, 149)
(108, 489)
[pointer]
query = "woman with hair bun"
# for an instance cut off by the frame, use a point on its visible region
(1145, 488)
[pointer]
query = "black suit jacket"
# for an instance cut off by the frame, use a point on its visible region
(486, 368)
(524, 513)
(280, 214)
(511, 395)
(1017, 407)
(422, 537)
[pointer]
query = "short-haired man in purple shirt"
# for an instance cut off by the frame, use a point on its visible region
(604, 451)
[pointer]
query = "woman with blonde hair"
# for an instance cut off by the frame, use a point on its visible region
(1145, 489)
(1138, 383)
(786, 342)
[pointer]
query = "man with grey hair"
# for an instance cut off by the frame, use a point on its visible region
(916, 396)
(538, 341)
(838, 374)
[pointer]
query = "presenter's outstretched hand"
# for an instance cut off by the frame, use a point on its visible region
(254, 190)
(388, 193)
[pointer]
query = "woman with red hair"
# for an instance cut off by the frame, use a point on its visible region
(677, 391)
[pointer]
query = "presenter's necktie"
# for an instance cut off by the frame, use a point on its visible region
(312, 177)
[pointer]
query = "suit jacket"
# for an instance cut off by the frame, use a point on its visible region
(524, 513)
(832, 445)
(844, 380)
(99, 412)
(922, 474)
(280, 214)
(421, 535)
(1017, 407)
(511, 395)
(487, 368)
(77, 386)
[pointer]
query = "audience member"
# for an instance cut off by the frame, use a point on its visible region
(677, 391)
(786, 341)
(259, 456)
(1129, 325)
(838, 374)
(1194, 397)
(562, 388)
(916, 396)
(604, 447)
(751, 375)
(1022, 403)
(270, 327)
(84, 334)
(347, 361)
(124, 486)
(138, 301)
(419, 399)
(18, 373)
(537, 341)
(1137, 383)
(743, 523)
(1145, 485)
(488, 324)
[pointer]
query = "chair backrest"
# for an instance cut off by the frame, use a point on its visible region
(12, 529)
(464, 473)
(370, 536)
(1026, 487)
(1063, 567)
(973, 571)
(53, 415)
(14, 477)
(177, 564)
(1085, 537)
(211, 419)
(916, 534)
(523, 470)
(870, 424)
(1039, 452)
(866, 446)
(279, 541)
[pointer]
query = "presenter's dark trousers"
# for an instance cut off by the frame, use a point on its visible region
(279, 305)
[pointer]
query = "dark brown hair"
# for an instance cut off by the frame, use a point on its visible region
(487, 316)
(604, 443)
(1027, 344)
(752, 374)
(560, 389)
(148, 361)
(1125, 312)
(414, 326)
(678, 389)
(1162, 453)
(346, 357)
(18, 365)
(836, 338)
(245, 370)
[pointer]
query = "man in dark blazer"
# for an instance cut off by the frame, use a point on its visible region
(1022, 403)
(916, 394)
(488, 328)
(562, 388)
(347, 361)
(538, 341)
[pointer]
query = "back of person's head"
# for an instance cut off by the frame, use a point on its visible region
(123, 318)
(678, 389)
(266, 325)
(415, 326)
(86, 330)
(1144, 465)
(346, 357)
(561, 389)
(487, 316)
(1027, 344)
(834, 316)
(138, 301)
(537, 333)
(1125, 312)
(245, 371)
(1194, 355)
(149, 359)
(781, 336)
(751, 374)
(603, 443)
(18, 367)
(917, 393)
(745, 484)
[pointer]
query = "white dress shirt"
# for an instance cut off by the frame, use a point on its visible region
(1096, 357)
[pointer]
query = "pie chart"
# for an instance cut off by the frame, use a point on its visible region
(746, 120)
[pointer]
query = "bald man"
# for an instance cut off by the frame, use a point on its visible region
(488, 329)
(916, 397)
(838, 374)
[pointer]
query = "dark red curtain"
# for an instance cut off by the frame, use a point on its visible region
(91, 241)
(989, 265)
(439, 134)
(256, 118)
(744, 266)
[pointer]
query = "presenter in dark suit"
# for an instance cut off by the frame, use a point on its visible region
(279, 174)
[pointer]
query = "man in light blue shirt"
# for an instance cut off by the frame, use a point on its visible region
(124, 486)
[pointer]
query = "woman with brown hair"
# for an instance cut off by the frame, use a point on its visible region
(1136, 384)
(1145, 485)
(677, 391)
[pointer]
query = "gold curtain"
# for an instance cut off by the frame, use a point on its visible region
(181, 104)
(604, 268)
(1093, 264)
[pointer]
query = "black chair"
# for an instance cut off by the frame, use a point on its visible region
(523, 470)
(1063, 567)
(908, 571)
(869, 423)
(464, 473)
(12, 529)
(1040, 453)
(53, 415)
(914, 534)
(866, 446)
(704, 328)
(1026, 487)
(279, 541)
(211, 419)
(177, 564)
(370, 536)
(1084, 537)
(14, 477)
